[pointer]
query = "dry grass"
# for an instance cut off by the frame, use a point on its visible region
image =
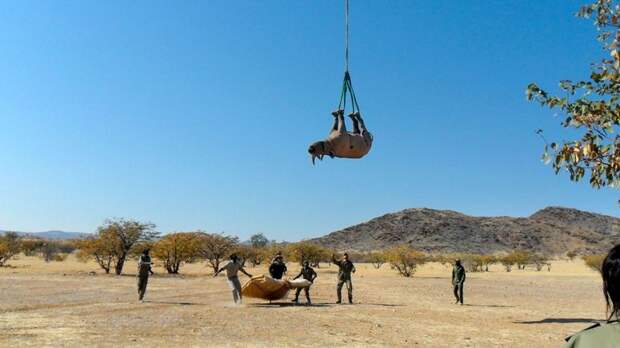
(60, 304)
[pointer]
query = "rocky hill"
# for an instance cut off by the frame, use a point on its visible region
(553, 230)
(51, 234)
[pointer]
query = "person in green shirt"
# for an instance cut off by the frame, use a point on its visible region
(345, 268)
(144, 270)
(604, 335)
(458, 278)
(307, 273)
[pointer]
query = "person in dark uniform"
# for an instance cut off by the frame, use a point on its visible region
(606, 335)
(144, 270)
(345, 268)
(277, 268)
(458, 278)
(307, 273)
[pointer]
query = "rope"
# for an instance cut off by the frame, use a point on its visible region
(346, 36)
(347, 85)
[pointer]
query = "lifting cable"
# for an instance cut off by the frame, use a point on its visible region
(347, 86)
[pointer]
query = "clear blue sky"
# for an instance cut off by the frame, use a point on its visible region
(198, 114)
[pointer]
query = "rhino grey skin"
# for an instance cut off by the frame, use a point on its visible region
(343, 144)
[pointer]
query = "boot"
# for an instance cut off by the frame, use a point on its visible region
(350, 299)
(338, 112)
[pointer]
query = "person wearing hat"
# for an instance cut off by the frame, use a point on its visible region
(458, 278)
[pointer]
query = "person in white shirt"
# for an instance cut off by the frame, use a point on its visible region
(232, 269)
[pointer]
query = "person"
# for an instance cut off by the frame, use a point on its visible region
(232, 269)
(346, 267)
(458, 278)
(277, 268)
(606, 335)
(307, 273)
(276, 256)
(144, 270)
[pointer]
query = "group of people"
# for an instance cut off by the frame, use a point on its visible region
(277, 269)
(599, 335)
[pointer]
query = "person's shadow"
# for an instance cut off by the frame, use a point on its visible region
(172, 303)
(559, 321)
(489, 306)
(288, 304)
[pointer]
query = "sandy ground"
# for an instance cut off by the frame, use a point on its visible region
(60, 304)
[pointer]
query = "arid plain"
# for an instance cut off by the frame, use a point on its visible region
(63, 304)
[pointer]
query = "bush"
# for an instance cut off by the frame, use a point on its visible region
(216, 247)
(115, 241)
(377, 259)
(60, 257)
(307, 251)
(10, 245)
(404, 259)
(595, 261)
(175, 249)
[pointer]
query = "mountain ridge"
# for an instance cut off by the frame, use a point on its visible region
(551, 230)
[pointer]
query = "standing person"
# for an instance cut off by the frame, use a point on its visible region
(346, 267)
(144, 269)
(458, 278)
(606, 335)
(307, 273)
(277, 268)
(232, 269)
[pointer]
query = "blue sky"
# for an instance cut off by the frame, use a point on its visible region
(197, 114)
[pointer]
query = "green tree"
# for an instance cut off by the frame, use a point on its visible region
(215, 247)
(306, 251)
(10, 245)
(404, 259)
(115, 241)
(127, 233)
(102, 248)
(591, 107)
(175, 249)
(595, 261)
(377, 258)
(259, 240)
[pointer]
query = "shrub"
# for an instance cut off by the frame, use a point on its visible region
(595, 261)
(175, 249)
(404, 259)
(10, 245)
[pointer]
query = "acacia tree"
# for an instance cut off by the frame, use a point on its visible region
(10, 245)
(259, 240)
(216, 247)
(591, 107)
(405, 259)
(128, 233)
(595, 261)
(508, 261)
(307, 251)
(102, 248)
(115, 240)
(177, 248)
(377, 259)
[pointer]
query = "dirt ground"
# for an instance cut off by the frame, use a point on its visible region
(61, 304)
